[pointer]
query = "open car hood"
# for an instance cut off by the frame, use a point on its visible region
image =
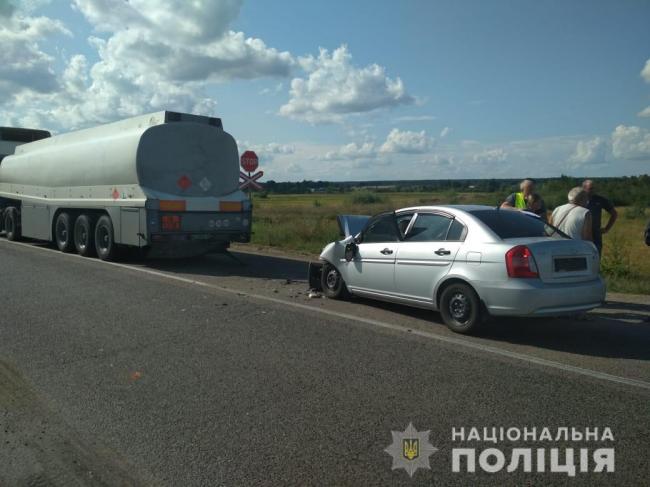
(351, 225)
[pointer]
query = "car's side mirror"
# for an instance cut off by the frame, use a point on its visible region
(350, 251)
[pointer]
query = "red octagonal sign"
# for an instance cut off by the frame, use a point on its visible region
(249, 161)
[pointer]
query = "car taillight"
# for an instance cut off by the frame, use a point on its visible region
(520, 262)
(171, 222)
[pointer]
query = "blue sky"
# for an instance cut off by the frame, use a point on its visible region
(351, 90)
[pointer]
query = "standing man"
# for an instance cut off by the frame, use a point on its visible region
(519, 200)
(574, 219)
(596, 205)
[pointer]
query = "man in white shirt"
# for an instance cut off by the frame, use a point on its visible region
(574, 219)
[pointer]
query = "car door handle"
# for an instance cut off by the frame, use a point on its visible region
(443, 252)
(386, 251)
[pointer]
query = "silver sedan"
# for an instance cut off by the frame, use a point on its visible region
(468, 262)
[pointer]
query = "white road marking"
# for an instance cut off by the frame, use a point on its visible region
(369, 321)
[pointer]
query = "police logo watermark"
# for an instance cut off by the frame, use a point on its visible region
(411, 449)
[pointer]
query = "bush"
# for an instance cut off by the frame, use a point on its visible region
(616, 260)
(366, 198)
(635, 212)
(450, 197)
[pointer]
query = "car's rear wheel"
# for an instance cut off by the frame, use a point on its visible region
(332, 283)
(460, 308)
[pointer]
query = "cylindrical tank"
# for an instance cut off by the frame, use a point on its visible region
(179, 155)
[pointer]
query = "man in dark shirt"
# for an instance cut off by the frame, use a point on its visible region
(596, 206)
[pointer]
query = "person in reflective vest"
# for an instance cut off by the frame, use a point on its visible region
(521, 200)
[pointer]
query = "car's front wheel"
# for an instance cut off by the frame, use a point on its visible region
(333, 285)
(460, 308)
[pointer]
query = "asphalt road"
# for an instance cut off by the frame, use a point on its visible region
(208, 372)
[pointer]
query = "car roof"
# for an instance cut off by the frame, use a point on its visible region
(462, 208)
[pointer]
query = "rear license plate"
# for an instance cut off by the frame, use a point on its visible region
(570, 264)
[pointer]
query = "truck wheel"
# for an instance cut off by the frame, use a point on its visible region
(63, 234)
(84, 235)
(460, 308)
(332, 283)
(12, 224)
(105, 239)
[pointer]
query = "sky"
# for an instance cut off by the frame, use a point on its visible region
(339, 90)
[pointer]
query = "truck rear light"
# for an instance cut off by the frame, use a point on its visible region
(230, 206)
(172, 205)
(521, 263)
(171, 223)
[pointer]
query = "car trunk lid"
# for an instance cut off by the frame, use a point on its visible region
(562, 260)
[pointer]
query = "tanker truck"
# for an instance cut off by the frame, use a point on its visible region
(166, 182)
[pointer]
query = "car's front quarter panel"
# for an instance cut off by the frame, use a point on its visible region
(334, 253)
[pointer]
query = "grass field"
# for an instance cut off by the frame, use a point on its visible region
(306, 222)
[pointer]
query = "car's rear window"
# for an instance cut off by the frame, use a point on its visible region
(515, 224)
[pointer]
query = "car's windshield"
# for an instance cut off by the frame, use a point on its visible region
(515, 224)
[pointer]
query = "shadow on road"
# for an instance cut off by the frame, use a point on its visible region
(242, 265)
(617, 330)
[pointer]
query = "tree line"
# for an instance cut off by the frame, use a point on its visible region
(622, 191)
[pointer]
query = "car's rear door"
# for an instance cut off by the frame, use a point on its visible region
(426, 254)
(373, 268)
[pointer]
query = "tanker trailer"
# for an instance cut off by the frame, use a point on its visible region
(166, 182)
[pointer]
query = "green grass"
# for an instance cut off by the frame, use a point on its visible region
(306, 222)
(626, 258)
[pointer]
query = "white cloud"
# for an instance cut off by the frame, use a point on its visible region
(415, 118)
(198, 20)
(445, 132)
(593, 151)
(272, 91)
(142, 67)
(397, 142)
(631, 143)
(645, 72)
(407, 142)
(267, 152)
(24, 66)
(490, 156)
(546, 157)
(335, 88)
(353, 151)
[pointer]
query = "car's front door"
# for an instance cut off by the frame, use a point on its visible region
(373, 268)
(426, 254)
